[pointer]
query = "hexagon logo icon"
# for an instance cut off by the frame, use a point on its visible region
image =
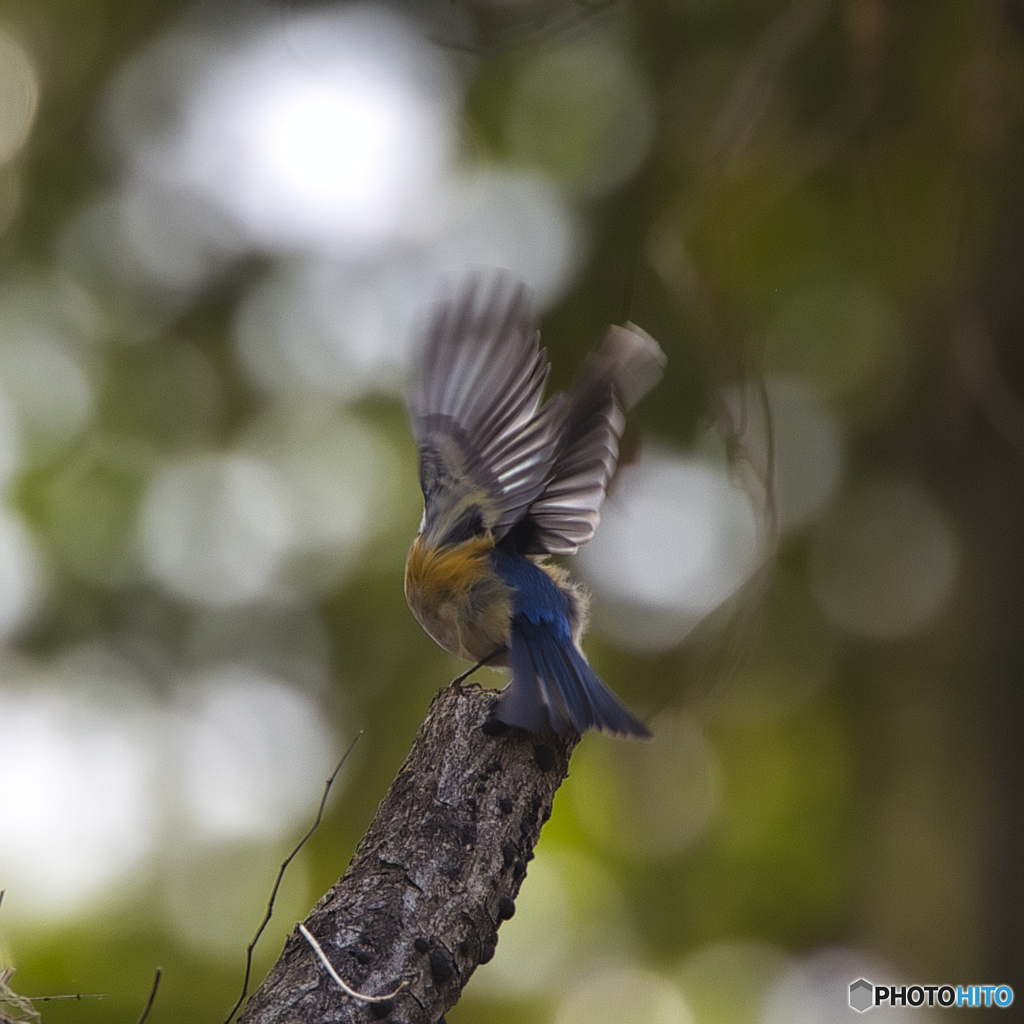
(861, 993)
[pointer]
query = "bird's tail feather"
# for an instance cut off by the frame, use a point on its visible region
(553, 684)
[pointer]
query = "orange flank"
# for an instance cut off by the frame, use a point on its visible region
(458, 598)
(448, 571)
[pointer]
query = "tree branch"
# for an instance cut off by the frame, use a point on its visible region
(431, 880)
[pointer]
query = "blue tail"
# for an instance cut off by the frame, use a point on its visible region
(553, 684)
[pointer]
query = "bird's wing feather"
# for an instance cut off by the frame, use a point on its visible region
(486, 443)
(566, 513)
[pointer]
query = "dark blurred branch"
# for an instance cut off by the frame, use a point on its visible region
(759, 74)
(431, 880)
(983, 379)
(499, 28)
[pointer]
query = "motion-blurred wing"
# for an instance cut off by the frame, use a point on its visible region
(486, 446)
(567, 511)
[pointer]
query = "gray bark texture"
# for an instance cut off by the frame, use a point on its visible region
(432, 879)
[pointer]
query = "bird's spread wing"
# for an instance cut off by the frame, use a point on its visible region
(566, 513)
(486, 444)
(491, 456)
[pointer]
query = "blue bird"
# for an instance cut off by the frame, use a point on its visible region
(507, 482)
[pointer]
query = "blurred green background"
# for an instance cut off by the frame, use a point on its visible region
(218, 225)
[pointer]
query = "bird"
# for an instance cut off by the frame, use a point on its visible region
(509, 481)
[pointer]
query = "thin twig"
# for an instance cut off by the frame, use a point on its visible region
(337, 977)
(73, 996)
(280, 876)
(24, 1004)
(152, 996)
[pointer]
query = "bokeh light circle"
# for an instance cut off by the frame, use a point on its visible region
(330, 130)
(729, 981)
(209, 892)
(519, 220)
(77, 760)
(251, 751)
(788, 435)
(618, 994)
(652, 800)
(339, 473)
(214, 529)
(675, 540)
(19, 97)
(21, 573)
(883, 562)
(582, 113)
(845, 337)
(816, 989)
(43, 379)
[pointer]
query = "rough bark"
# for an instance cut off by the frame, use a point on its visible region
(432, 879)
